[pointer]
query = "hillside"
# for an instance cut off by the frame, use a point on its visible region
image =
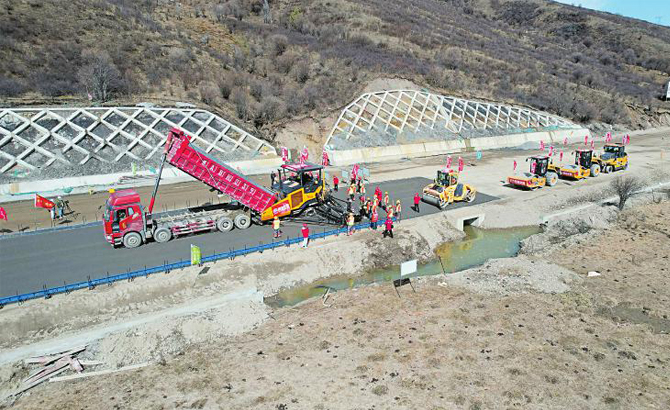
(315, 56)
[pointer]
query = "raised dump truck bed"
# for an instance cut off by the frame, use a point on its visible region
(222, 178)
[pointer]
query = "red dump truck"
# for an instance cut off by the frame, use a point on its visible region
(301, 193)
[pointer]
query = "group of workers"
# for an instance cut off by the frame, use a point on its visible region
(368, 207)
(58, 210)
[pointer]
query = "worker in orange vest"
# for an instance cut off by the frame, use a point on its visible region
(389, 211)
(352, 191)
(374, 219)
(368, 207)
(398, 209)
(350, 224)
(386, 201)
(276, 226)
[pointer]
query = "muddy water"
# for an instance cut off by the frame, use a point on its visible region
(478, 246)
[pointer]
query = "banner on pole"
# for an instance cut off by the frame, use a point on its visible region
(196, 255)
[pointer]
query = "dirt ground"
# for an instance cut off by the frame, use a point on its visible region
(530, 332)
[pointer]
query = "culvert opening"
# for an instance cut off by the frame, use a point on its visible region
(471, 221)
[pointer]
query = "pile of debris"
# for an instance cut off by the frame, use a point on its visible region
(50, 366)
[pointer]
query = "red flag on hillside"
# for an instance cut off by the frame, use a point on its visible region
(3, 214)
(42, 202)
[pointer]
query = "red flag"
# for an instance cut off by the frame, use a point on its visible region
(448, 161)
(42, 202)
(354, 171)
(627, 139)
(515, 165)
(586, 140)
(623, 140)
(460, 164)
(284, 154)
(565, 141)
(561, 156)
(551, 150)
(541, 145)
(3, 214)
(324, 159)
(305, 153)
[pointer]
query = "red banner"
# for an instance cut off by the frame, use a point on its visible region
(460, 164)
(448, 161)
(3, 214)
(42, 202)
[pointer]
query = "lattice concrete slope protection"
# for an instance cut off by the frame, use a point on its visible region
(57, 142)
(407, 116)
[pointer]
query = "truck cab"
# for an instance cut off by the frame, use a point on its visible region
(124, 220)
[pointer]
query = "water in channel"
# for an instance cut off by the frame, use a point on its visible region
(478, 246)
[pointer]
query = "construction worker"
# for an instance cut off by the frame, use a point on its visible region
(374, 218)
(388, 228)
(273, 178)
(305, 235)
(336, 183)
(417, 200)
(276, 226)
(350, 223)
(368, 207)
(389, 211)
(60, 207)
(352, 191)
(361, 186)
(398, 209)
(378, 195)
(386, 201)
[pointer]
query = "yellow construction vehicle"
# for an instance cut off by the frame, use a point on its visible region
(446, 189)
(584, 166)
(542, 173)
(613, 158)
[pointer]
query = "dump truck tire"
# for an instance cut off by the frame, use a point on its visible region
(242, 221)
(552, 178)
(132, 240)
(595, 170)
(224, 224)
(471, 196)
(162, 234)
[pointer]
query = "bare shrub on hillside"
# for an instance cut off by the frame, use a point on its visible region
(99, 75)
(240, 99)
(624, 186)
(210, 93)
(301, 72)
(10, 87)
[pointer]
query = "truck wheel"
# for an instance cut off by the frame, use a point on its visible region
(595, 170)
(609, 169)
(625, 167)
(224, 224)
(242, 221)
(552, 178)
(162, 234)
(471, 196)
(132, 240)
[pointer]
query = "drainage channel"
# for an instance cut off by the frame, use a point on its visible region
(478, 246)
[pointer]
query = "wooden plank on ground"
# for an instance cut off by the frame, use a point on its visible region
(98, 373)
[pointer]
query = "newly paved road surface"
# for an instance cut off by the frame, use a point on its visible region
(30, 262)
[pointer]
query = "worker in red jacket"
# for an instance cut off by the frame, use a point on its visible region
(336, 183)
(305, 235)
(378, 194)
(388, 228)
(417, 201)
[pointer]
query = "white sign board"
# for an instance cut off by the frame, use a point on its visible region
(407, 268)
(667, 95)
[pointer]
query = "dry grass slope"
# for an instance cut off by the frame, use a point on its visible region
(315, 55)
